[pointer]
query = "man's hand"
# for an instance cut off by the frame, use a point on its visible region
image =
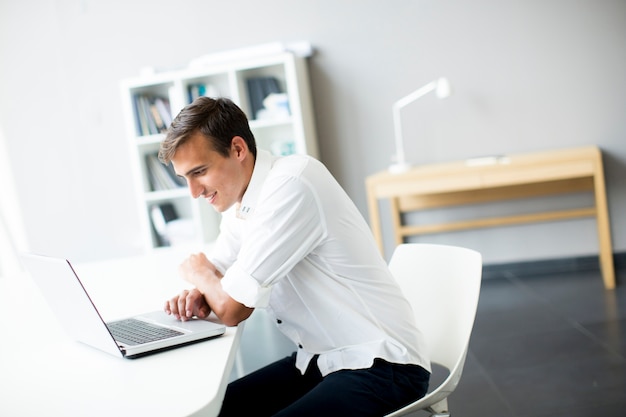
(196, 269)
(187, 304)
(207, 296)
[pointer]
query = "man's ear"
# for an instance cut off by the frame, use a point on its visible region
(239, 148)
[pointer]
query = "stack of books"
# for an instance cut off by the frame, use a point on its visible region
(153, 114)
(162, 177)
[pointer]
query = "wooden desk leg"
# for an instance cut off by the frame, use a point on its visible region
(396, 219)
(604, 228)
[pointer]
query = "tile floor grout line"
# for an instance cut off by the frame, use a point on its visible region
(492, 384)
(575, 324)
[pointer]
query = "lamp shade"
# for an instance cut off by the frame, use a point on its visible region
(444, 89)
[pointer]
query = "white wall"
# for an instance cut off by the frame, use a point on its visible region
(12, 235)
(527, 75)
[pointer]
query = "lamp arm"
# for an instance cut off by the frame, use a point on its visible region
(404, 101)
(397, 129)
(397, 106)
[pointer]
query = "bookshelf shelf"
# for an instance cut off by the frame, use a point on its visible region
(272, 90)
(166, 195)
(270, 123)
(150, 140)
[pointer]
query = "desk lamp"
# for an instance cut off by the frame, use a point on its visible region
(442, 88)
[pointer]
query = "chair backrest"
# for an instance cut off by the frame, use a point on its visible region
(442, 284)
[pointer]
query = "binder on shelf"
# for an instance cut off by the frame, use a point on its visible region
(141, 121)
(258, 89)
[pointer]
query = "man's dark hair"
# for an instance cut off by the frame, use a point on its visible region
(218, 120)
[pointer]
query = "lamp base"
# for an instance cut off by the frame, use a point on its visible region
(399, 168)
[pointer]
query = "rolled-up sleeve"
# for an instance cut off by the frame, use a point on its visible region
(244, 288)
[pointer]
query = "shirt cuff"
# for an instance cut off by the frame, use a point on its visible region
(244, 288)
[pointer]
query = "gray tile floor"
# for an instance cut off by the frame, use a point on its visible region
(546, 345)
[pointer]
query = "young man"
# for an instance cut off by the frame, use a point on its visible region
(292, 242)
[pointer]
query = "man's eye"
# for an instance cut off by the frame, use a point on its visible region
(199, 172)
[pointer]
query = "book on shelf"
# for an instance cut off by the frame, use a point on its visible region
(164, 110)
(153, 114)
(160, 176)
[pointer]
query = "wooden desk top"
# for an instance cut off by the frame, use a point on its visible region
(506, 171)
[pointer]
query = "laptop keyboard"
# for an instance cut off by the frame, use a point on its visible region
(136, 332)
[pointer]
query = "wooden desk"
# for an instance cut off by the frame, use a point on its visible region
(511, 177)
(44, 373)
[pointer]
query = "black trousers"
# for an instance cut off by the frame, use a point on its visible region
(280, 390)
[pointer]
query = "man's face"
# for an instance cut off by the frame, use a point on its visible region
(221, 181)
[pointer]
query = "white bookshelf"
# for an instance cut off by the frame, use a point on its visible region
(279, 132)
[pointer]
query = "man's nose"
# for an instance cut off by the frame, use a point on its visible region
(195, 189)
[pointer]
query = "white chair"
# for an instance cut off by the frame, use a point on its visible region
(442, 283)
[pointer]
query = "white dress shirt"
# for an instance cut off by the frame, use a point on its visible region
(298, 246)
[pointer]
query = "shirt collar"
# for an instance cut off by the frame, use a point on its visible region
(262, 166)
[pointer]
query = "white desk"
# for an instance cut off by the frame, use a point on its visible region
(48, 374)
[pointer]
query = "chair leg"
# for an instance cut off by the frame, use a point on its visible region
(439, 409)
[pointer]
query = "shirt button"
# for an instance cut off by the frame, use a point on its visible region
(279, 321)
(299, 345)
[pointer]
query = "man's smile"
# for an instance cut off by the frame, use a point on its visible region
(211, 197)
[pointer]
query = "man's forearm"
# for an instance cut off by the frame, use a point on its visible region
(230, 311)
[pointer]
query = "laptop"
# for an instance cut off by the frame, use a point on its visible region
(130, 337)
